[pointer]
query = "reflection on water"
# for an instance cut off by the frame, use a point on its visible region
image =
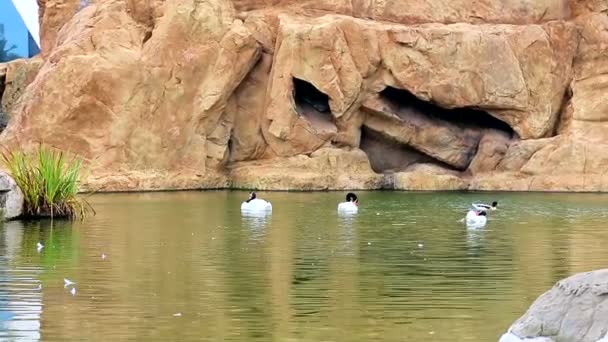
(189, 267)
(256, 224)
(20, 287)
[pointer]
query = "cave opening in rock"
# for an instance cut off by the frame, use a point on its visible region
(463, 117)
(313, 105)
(306, 94)
(387, 156)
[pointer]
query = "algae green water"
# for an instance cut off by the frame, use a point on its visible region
(186, 266)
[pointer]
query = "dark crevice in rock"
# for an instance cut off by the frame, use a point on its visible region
(388, 156)
(561, 119)
(3, 116)
(463, 117)
(143, 15)
(230, 144)
(313, 105)
(2, 85)
(147, 36)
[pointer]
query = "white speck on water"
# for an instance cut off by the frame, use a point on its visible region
(67, 282)
(213, 238)
(377, 214)
(369, 243)
(73, 291)
(420, 245)
(103, 256)
(39, 247)
(177, 314)
(431, 332)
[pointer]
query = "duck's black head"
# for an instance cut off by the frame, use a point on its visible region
(251, 196)
(351, 197)
(494, 204)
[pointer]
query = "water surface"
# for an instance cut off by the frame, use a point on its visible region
(186, 266)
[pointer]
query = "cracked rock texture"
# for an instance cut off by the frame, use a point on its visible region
(574, 310)
(319, 94)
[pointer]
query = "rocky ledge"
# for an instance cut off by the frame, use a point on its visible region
(319, 94)
(575, 310)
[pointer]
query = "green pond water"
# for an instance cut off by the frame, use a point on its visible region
(186, 266)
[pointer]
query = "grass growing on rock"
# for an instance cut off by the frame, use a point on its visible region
(49, 182)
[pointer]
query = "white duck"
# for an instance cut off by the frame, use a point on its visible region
(476, 218)
(254, 204)
(351, 205)
(485, 207)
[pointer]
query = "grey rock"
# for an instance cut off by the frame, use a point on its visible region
(11, 197)
(574, 310)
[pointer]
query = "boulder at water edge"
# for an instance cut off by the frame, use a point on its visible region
(574, 310)
(11, 197)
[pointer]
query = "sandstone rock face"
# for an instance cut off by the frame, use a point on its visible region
(129, 98)
(428, 177)
(54, 14)
(325, 169)
(575, 309)
(319, 94)
(18, 74)
(421, 11)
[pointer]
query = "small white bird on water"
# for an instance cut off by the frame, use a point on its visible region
(67, 282)
(39, 247)
(73, 291)
(103, 256)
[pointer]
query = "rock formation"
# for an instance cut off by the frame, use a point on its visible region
(11, 197)
(575, 309)
(319, 94)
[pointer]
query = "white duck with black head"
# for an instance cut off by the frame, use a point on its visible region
(476, 218)
(485, 207)
(253, 204)
(351, 205)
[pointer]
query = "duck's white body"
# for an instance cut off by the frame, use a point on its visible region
(348, 207)
(256, 205)
(475, 221)
(483, 207)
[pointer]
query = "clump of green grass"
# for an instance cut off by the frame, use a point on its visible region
(49, 182)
